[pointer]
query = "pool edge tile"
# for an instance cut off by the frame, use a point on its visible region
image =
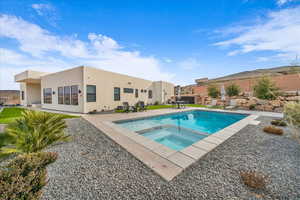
(194, 152)
(181, 159)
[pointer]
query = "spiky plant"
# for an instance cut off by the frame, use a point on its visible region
(35, 131)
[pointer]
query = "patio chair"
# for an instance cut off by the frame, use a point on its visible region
(142, 106)
(126, 107)
(213, 103)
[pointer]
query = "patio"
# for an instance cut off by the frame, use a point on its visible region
(166, 162)
(92, 166)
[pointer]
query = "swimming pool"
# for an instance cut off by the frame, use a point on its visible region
(179, 130)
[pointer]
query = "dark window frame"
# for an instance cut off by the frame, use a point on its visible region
(67, 95)
(150, 94)
(60, 96)
(74, 95)
(128, 90)
(91, 97)
(117, 95)
(47, 95)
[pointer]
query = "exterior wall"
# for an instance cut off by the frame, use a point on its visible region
(33, 92)
(23, 88)
(106, 81)
(60, 79)
(286, 83)
(9, 97)
(162, 91)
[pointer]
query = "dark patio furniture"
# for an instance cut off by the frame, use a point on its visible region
(142, 106)
(126, 107)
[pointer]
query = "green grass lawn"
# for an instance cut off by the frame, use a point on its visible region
(154, 107)
(8, 115)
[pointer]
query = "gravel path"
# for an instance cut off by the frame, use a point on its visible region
(91, 166)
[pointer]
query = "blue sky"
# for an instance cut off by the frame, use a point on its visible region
(172, 40)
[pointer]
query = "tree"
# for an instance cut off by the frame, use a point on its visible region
(265, 89)
(35, 131)
(213, 91)
(292, 117)
(232, 90)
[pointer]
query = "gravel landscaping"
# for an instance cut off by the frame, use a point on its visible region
(92, 166)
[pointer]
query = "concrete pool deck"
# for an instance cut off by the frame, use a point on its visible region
(166, 162)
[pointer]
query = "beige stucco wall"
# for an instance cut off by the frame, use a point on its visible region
(23, 88)
(32, 93)
(69, 77)
(105, 82)
(35, 93)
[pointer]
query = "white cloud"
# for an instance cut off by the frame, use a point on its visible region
(40, 49)
(189, 64)
(40, 8)
(278, 33)
(47, 11)
(282, 2)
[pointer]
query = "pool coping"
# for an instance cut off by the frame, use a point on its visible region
(163, 160)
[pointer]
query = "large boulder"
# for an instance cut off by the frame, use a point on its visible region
(275, 103)
(294, 98)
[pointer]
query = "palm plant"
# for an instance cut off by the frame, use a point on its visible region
(35, 131)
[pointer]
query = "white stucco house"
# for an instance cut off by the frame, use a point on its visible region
(84, 89)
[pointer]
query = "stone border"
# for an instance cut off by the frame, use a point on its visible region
(165, 161)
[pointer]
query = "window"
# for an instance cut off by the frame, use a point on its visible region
(74, 94)
(67, 95)
(128, 90)
(47, 93)
(91, 93)
(136, 93)
(22, 94)
(117, 94)
(145, 91)
(150, 94)
(60, 92)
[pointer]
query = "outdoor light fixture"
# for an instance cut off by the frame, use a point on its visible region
(53, 92)
(79, 91)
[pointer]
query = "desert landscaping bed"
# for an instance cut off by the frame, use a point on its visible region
(92, 166)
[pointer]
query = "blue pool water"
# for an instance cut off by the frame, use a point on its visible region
(180, 130)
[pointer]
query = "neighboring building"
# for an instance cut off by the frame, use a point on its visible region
(84, 89)
(287, 79)
(9, 97)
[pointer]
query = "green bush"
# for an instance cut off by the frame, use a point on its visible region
(25, 176)
(156, 103)
(213, 91)
(232, 90)
(252, 106)
(278, 122)
(265, 89)
(34, 131)
(292, 117)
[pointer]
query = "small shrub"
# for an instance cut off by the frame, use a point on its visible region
(213, 91)
(25, 176)
(254, 179)
(292, 117)
(273, 130)
(252, 106)
(278, 122)
(265, 89)
(35, 131)
(156, 103)
(232, 90)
